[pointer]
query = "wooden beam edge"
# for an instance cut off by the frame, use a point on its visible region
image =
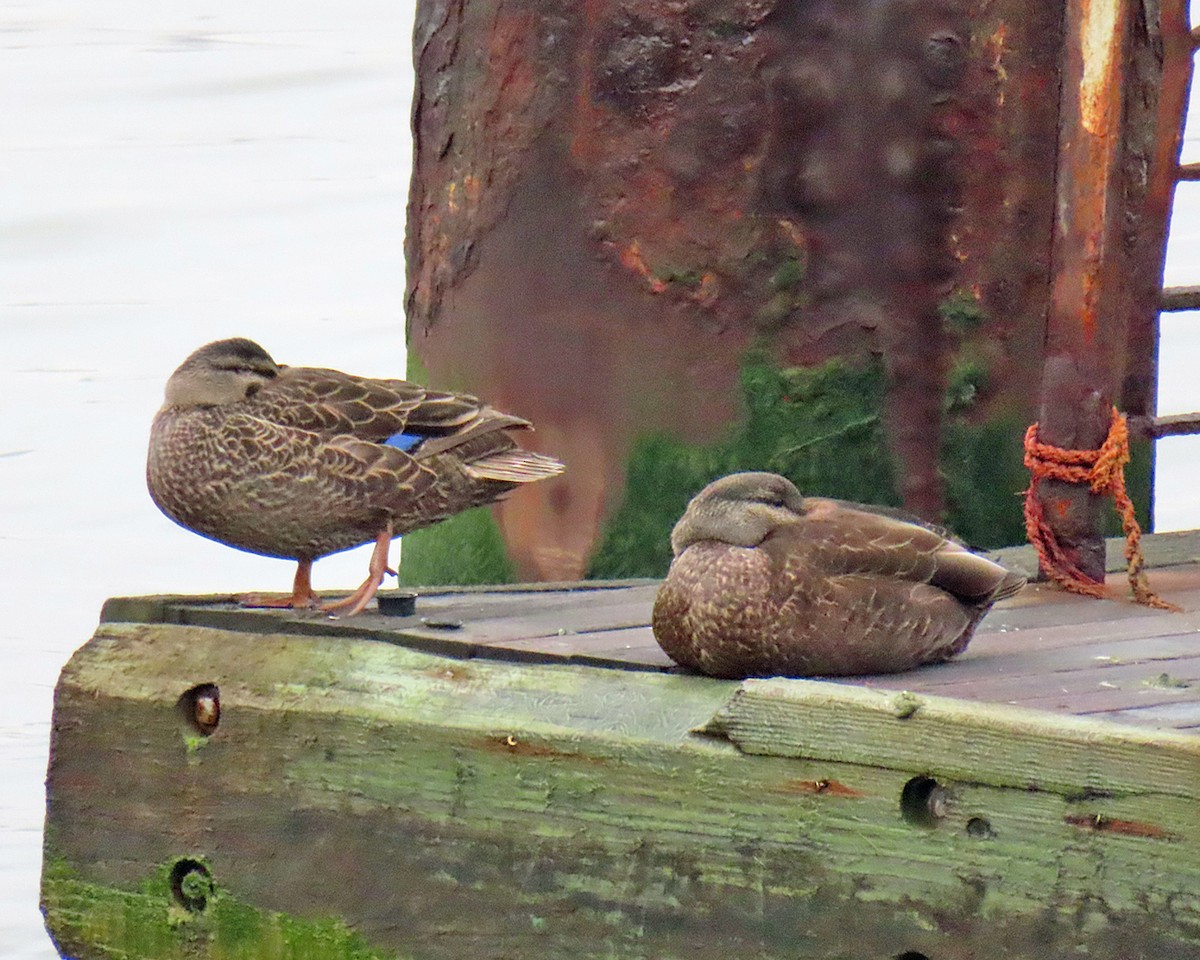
(390, 683)
(995, 744)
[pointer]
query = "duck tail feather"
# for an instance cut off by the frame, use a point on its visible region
(1010, 585)
(514, 466)
(971, 577)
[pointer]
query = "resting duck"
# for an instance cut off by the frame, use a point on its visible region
(766, 582)
(298, 462)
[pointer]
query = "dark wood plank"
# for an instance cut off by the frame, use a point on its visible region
(1032, 638)
(981, 665)
(630, 645)
(1100, 701)
(517, 603)
(614, 614)
(1117, 687)
(1045, 606)
(1179, 716)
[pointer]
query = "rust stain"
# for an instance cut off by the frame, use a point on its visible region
(1099, 823)
(583, 147)
(473, 188)
(454, 673)
(513, 744)
(832, 788)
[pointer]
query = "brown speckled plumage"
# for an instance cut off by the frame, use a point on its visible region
(766, 582)
(291, 461)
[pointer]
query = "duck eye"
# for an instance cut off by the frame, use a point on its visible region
(245, 370)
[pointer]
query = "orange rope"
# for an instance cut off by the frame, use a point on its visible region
(1104, 471)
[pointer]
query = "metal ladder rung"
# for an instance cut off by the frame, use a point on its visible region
(1174, 299)
(1175, 425)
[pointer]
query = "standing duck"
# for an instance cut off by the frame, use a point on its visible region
(299, 462)
(766, 582)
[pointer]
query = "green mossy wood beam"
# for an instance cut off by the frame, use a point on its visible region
(358, 799)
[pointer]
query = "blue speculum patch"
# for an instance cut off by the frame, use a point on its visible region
(403, 441)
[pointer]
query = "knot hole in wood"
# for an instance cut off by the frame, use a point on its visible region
(191, 884)
(924, 801)
(200, 708)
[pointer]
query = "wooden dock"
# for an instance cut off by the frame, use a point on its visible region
(520, 772)
(1045, 649)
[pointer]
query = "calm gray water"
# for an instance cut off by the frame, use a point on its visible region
(175, 172)
(169, 173)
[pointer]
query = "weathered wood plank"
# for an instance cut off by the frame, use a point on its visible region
(1102, 699)
(981, 676)
(1180, 716)
(1047, 606)
(440, 807)
(990, 743)
(1000, 636)
(634, 645)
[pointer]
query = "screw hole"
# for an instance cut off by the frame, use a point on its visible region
(924, 801)
(200, 708)
(980, 829)
(191, 884)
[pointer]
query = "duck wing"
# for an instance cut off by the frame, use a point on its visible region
(331, 469)
(845, 539)
(422, 428)
(330, 402)
(894, 513)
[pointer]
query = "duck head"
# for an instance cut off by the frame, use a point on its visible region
(220, 373)
(740, 509)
